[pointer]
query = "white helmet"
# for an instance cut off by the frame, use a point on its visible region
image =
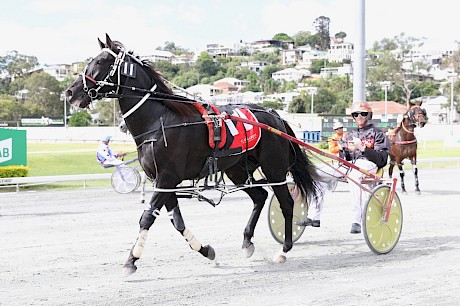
(337, 125)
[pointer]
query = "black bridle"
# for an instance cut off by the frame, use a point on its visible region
(119, 68)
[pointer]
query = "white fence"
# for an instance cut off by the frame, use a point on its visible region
(37, 180)
(300, 122)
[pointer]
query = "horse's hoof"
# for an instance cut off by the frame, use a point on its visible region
(417, 192)
(404, 192)
(280, 257)
(247, 252)
(211, 253)
(128, 269)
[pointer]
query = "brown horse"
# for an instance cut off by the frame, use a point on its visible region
(404, 143)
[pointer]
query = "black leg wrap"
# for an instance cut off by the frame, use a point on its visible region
(176, 219)
(146, 220)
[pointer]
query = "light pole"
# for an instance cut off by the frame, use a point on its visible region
(386, 86)
(452, 77)
(312, 91)
(65, 111)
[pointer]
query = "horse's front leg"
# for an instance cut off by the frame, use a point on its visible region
(143, 182)
(415, 170)
(401, 174)
(145, 222)
(287, 208)
(258, 196)
(176, 219)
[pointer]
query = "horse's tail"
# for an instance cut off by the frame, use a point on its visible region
(302, 169)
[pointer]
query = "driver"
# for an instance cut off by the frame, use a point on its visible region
(368, 149)
(105, 156)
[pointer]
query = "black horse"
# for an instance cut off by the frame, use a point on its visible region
(173, 144)
(404, 143)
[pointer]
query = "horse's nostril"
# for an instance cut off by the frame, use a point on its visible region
(68, 94)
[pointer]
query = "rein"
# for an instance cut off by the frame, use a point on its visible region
(405, 129)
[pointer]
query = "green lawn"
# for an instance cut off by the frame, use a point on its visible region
(62, 159)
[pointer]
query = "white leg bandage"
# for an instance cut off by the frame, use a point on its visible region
(194, 243)
(140, 242)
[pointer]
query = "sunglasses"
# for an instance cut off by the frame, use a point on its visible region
(363, 114)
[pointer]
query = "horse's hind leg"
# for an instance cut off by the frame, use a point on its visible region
(258, 196)
(287, 208)
(415, 170)
(176, 219)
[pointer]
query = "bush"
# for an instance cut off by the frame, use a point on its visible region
(14, 171)
(323, 145)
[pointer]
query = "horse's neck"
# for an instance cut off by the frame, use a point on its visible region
(145, 118)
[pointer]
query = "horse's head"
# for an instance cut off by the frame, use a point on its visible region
(417, 116)
(99, 76)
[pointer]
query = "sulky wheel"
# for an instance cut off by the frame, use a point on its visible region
(381, 237)
(276, 218)
(125, 179)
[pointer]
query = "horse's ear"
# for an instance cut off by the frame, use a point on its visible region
(109, 42)
(101, 44)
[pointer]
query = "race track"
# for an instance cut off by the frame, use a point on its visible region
(68, 247)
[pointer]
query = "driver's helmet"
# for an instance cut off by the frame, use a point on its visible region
(362, 107)
(337, 125)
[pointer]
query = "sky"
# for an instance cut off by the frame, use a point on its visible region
(63, 32)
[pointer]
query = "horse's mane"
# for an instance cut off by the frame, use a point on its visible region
(182, 108)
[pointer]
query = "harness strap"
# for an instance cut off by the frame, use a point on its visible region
(139, 104)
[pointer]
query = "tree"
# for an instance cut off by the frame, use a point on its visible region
(340, 35)
(323, 102)
(11, 109)
(389, 62)
(16, 64)
(322, 28)
(297, 104)
(205, 65)
(302, 38)
(107, 109)
(80, 118)
(282, 37)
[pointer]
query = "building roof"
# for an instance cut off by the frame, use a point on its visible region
(378, 108)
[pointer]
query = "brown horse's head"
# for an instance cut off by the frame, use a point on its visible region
(417, 115)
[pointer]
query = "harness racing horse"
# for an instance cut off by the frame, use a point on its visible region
(172, 139)
(404, 143)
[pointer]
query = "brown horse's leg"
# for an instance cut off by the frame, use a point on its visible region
(390, 169)
(401, 174)
(415, 170)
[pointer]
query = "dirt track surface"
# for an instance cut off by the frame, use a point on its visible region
(68, 247)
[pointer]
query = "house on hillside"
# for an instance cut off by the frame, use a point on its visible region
(291, 74)
(158, 56)
(340, 51)
(256, 66)
(203, 91)
(230, 84)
